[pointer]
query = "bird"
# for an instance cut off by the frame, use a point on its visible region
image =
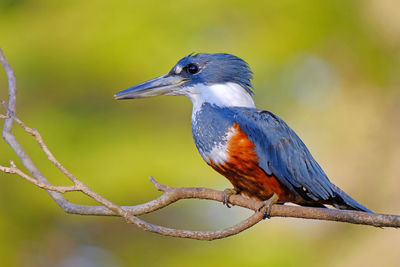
(261, 156)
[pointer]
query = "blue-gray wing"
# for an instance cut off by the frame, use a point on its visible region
(282, 154)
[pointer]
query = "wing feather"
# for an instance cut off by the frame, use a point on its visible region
(282, 154)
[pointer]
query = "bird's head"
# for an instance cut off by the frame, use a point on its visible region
(220, 78)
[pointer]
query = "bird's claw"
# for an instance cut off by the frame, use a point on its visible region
(226, 195)
(266, 206)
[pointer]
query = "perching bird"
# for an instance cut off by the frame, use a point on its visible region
(256, 150)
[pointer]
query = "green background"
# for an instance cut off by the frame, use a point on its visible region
(330, 69)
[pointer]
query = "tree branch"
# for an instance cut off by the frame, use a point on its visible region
(169, 196)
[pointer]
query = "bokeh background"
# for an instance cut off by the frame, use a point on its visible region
(330, 69)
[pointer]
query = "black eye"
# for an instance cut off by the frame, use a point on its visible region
(192, 68)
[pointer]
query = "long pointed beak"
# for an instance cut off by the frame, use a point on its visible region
(158, 86)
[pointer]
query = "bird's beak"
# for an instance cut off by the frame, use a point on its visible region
(158, 86)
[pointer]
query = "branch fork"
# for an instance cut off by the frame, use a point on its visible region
(169, 196)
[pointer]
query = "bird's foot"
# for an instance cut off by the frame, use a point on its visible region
(226, 195)
(267, 204)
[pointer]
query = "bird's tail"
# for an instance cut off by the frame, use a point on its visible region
(345, 202)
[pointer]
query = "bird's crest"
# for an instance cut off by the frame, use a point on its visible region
(220, 68)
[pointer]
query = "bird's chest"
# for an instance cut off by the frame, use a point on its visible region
(211, 135)
(227, 148)
(220, 140)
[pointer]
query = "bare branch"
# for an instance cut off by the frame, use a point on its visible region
(41, 143)
(14, 170)
(169, 196)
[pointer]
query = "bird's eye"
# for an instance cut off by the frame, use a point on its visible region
(192, 68)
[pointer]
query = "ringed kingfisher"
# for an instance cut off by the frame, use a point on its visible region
(254, 149)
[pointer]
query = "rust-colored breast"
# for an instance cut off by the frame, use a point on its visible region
(243, 171)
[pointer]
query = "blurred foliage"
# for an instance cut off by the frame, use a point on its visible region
(329, 68)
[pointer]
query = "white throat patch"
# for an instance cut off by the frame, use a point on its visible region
(224, 95)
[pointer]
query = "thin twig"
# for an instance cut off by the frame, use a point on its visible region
(41, 143)
(14, 170)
